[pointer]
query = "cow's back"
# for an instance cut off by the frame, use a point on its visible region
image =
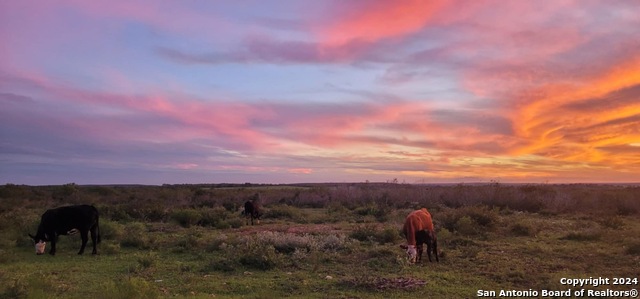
(419, 220)
(64, 219)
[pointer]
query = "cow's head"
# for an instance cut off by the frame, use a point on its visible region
(412, 253)
(40, 244)
(257, 214)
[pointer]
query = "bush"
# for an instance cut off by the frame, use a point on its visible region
(188, 242)
(370, 232)
(235, 222)
(216, 243)
(221, 264)
(111, 230)
(388, 235)
(109, 248)
(136, 236)
(363, 233)
(470, 219)
(283, 212)
(258, 256)
(634, 249)
(186, 218)
(612, 222)
(582, 236)
(523, 229)
(466, 226)
(213, 217)
(147, 261)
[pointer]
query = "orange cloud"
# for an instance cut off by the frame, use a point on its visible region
(555, 127)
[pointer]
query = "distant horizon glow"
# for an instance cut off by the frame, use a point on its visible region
(417, 91)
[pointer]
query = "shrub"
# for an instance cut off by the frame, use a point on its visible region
(216, 243)
(186, 218)
(222, 225)
(469, 220)
(235, 222)
(379, 211)
(370, 232)
(258, 256)
(523, 229)
(111, 230)
(219, 264)
(634, 249)
(109, 248)
(363, 233)
(466, 226)
(444, 235)
(482, 215)
(591, 235)
(334, 242)
(136, 236)
(188, 242)
(612, 222)
(283, 212)
(213, 217)
(388, 235)
(147, 261)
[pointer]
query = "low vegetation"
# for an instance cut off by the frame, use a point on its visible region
(320, 240)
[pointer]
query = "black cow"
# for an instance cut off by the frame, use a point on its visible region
(67, 221)
(252, 210)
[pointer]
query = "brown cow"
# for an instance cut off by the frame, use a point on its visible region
(252, 210)
(418, 229)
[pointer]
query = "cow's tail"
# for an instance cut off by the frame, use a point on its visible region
(98, 231)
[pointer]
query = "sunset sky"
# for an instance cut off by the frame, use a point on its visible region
(153, 92)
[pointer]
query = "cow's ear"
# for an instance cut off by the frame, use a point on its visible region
(33, 238)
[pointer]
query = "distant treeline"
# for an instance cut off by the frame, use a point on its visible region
(610, 199)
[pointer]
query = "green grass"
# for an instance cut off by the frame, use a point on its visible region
(302, 252)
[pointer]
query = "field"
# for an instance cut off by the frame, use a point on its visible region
(322, 241)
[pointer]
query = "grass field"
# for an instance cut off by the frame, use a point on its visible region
(322, 241)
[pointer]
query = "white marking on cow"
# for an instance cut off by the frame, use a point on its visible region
(40, 246)
(73, 231)
(412, 253)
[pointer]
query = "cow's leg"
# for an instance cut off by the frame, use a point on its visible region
(52, 251)
(435, 247)
(94, 237)
(420, 248)
(84, 235)
(432, 245)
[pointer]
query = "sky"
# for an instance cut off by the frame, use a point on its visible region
(413, 91)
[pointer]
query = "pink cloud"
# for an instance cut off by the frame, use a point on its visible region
(374, 20)
(300, 170)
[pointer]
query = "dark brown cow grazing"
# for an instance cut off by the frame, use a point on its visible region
(67, 221)
(252, 211)
(418, 228)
